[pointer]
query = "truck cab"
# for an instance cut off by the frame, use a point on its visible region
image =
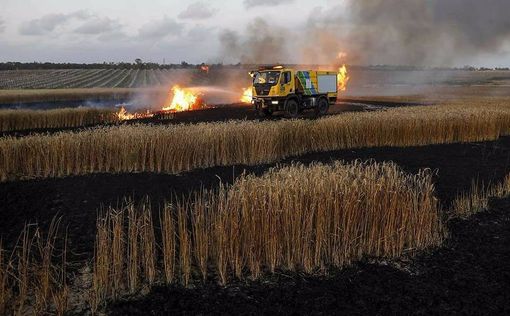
(285, 89)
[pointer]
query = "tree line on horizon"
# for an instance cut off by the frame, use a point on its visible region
(139, 64)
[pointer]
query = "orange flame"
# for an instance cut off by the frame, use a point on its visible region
(124, 115)
(183, 100)
(342, 78)
(247, 95)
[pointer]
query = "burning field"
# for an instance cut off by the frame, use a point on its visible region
(117, 209)
(181, 99)
(183, 199)
(340, 162)
(178, 100)
(157, 105)
(118, 219)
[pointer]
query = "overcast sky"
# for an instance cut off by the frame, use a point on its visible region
(122, 30)
(197, 31)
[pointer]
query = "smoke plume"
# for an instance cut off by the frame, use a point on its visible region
(426, 32)
(263, 43)
(411, 32)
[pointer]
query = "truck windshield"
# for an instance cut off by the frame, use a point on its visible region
(266, 77)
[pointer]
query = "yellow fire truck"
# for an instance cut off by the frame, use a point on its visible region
(278, 88)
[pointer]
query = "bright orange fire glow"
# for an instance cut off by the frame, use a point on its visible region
(247, 95)
(342, 78)
(124, 115)
(183, 100)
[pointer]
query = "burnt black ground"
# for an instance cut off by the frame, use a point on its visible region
(469, 275)
(78, 198)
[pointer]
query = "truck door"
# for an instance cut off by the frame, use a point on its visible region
(286, 84)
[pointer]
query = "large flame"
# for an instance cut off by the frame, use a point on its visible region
(183, 100)
(342, 78)
(247, 95)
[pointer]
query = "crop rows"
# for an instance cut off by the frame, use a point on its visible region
(177, 148)
(83, 78)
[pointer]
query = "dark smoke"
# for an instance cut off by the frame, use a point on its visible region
(481, 24)
(426, 32)
(261, 44)
(397, 32)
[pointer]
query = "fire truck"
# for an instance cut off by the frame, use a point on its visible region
(277, 88)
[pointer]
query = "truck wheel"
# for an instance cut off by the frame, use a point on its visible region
(291, 108)
(263, 113)
(322, 107)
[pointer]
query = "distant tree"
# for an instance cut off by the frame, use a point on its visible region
(469, 68)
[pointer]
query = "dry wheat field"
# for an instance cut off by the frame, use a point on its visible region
(229, 158)
(103, 216)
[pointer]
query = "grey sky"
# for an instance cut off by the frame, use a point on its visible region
(261, 3)
(198, 11)
(122, 30)
(194, 31)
